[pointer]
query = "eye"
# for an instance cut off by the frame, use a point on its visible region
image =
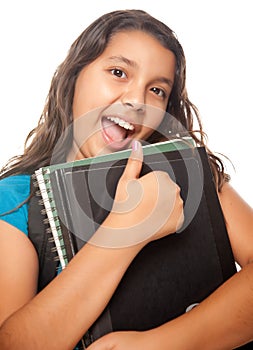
(118, 73)
(159, 92)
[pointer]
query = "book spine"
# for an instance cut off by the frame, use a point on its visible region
(63, 206)
(44, 185)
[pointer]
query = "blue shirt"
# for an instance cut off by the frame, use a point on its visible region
(14, 191)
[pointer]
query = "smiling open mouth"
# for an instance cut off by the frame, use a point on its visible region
(116, 130)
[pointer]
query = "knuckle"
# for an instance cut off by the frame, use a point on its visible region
(160, 174)
(181, 202)
(181, 208)
(177, 189)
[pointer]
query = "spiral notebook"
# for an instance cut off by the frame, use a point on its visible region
(169, 275)
(51, 183)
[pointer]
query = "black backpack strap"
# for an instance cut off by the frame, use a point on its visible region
(40, 235)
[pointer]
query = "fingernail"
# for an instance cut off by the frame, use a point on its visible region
(135, 145)
(137, 150)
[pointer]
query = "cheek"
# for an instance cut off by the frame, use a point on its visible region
(86, 97)
(153, 118)
(83, 102)
(90, 99)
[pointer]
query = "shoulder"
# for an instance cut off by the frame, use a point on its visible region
(14, 180)
(230, 199)
(238, 216)
(14, 191)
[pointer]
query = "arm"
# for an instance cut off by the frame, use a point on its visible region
(18, 270)
(58, 307)
(60, 314)
(225, 319)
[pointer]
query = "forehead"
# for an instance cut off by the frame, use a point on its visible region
(142, 49)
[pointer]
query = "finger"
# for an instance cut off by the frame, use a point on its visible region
(134, 163)
(100, 344)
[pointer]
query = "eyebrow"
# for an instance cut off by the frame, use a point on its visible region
(166, 81)
(133, 64)
(123, 59)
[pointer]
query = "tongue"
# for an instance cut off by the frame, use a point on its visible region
(113, 131)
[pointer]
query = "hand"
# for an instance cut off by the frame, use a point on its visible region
(123, 341)
(145, 208)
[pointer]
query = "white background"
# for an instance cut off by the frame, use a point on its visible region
(217, 39)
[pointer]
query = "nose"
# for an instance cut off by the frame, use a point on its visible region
(138, 107)
(134, 99)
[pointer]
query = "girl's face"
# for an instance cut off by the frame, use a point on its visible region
(122, 95)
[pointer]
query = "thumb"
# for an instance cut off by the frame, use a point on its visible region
(134, 163)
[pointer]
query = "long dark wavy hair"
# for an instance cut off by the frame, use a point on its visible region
(41, 142)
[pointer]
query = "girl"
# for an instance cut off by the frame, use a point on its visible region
(121, 64)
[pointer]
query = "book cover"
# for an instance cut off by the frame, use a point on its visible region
(169, 275)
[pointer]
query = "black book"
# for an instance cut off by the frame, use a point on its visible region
(170, 275)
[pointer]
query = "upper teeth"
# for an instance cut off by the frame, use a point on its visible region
(121, 123)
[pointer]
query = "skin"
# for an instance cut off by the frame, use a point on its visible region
(131, 85)
(26, 317)
(225, 319)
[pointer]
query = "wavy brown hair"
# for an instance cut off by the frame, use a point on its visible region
(42, 141)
